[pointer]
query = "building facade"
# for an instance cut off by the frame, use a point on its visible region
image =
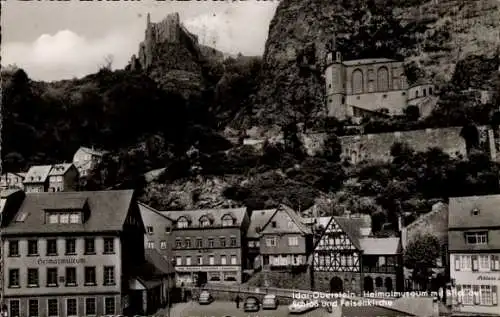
(36, 179)
(474, 250)
(258, 219)
(12, 181)
(63, 177)
(72, 254)
(285, 241)
(347, 259)
(208, 245)
(158, 231)
(356, 87)
(86, 159)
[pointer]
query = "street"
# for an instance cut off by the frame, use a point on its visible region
(222, 309)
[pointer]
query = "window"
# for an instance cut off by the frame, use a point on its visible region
(70, 246)
(14, 248)
(163, 245)
(257, 244)
(90, 275)
(64, 218)
(465, 262)
(182, 223)
(14, 308)
(200, 260)
(211, 260)
(495, 263)
(178, 243)
(467, 296)
(475, 212)
(273, 224)
(151, 245)
(293, 241)
(109, 306)
(70, 276)
(33, 278)
(223, 242)
(188, 260)
(188, 243)
(233, 241)
(476, 237)
(178, 260)
(167, 229)
(109, 245)
(227, 221)
(52, 307)
(89, 246)
(51, 247)
(234, 260)
(90, 306)
(71, 307)
(484, 262)
(251, 244)
(210, 243)
(149, 229)
(271, 242)
(486, 295)
(32, 247)
(109, 275)
(51, 276)
(14, 278)
(33, 308)
(73, 218)
(223, 260)
(199, 243)
(53, 218)
(204, 222)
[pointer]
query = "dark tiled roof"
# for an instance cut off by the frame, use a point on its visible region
(162, 265)
(294, 216)
(238, 214)
(7, 192)
(60, 169)
(108, 210)
(351, 226)
(258, 219)
(380, 246)
(461, 216)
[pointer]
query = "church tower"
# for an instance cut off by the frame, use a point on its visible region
(335, 83)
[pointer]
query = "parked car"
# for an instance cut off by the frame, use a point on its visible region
(298, 307)
(251, 304)
(205, 298)
(270, 301)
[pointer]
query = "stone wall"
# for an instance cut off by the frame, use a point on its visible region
(353, 282)
(287, 280)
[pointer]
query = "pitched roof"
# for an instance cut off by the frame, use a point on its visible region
(108, 211)
(238, 215)
(37, 174)
(294, 216)
(351, 226)
(461, 216)
(143, 208)
(161, 265)
(380, 246)
(368, 61)
(60, 169)
(257, 220)
(323, 221)
(7, 192)
(92, 151)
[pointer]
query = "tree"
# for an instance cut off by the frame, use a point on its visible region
(332, 148)
(421, 255)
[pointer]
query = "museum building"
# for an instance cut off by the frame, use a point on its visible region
(71, 253)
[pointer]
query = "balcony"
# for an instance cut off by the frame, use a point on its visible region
(379, 269)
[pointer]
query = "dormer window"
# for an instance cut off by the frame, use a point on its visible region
(182, 223)
(228, 220)
(64, 217)
(475, 211)
(204, 222)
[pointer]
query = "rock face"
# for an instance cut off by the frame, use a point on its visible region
(434, 34)
(172, 56)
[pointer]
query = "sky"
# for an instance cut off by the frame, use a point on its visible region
(62, 40)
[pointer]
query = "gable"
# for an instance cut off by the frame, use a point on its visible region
(283, 223)
(335, 237)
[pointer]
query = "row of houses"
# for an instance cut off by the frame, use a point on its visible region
(56, 177)
(103, 252)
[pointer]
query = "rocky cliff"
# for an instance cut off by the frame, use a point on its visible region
(173, 57)
(434, 34)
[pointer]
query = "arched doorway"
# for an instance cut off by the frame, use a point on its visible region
(368, 284)
(471, 136)
(336, 285)
(388, 284)
(378, 282)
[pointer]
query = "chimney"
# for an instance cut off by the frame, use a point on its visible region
(148, 20)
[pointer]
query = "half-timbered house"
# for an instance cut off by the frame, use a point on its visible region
(347, 259)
